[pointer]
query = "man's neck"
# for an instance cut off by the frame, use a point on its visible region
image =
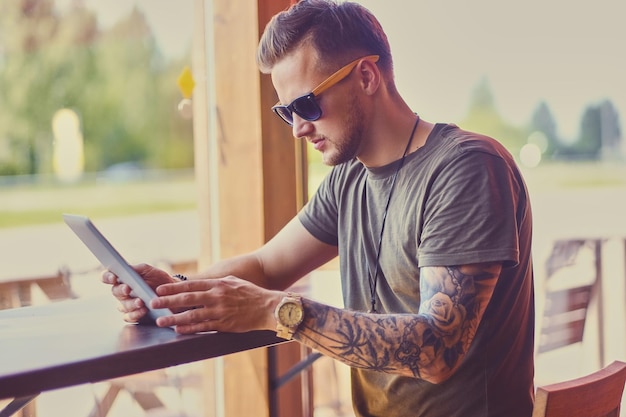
(387, 141)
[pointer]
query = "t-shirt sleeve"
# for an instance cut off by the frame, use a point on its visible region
(470, 214)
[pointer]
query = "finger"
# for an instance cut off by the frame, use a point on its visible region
(121, 291)
(186, 286)
(109, 277)
(172, 288)
(191, 321)
(135, 315)
(131, 304)
(184, 300)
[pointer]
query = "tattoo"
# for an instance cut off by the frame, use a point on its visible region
(428, 345)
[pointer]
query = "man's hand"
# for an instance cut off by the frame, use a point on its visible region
(227, 304)
(133, 308)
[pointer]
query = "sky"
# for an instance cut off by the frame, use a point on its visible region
(568, 54)
(170, 20)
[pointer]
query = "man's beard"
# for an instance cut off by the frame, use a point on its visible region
(347, 147)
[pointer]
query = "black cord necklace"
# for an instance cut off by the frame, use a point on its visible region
(373, 279)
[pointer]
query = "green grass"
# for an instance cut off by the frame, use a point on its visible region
(22, 205)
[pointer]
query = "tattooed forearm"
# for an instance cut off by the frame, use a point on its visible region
(429, 345)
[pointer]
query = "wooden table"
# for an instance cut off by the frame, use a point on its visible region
(85, 340)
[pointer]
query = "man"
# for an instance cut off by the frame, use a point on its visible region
(432, 226)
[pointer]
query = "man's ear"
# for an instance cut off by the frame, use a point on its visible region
(370, 76)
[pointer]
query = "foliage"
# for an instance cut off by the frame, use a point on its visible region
(599, 137)
(116, 80)
(125, 94)
(543, 121)
(599, 131)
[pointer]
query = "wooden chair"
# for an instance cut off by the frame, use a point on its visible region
(142, 389)
(565, 311)
(595, 395)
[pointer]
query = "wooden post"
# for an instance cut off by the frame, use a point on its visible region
(250, 176)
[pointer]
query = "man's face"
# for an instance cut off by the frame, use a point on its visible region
(337, 134)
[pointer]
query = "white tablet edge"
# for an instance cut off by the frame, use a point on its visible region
(111, 259)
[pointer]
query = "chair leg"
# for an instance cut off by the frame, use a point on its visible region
(102, 407)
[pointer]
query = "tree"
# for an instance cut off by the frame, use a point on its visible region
(41, 72)
(115, 118)
(116, 80)
(483, 117)
(610, 130)
(589, 142)
(543, 121)
(600, 133)
(138, 106)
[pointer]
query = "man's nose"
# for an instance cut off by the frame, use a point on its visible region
(301, 127)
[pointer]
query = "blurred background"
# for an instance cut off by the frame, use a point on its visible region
(88, 89)
(91, 122)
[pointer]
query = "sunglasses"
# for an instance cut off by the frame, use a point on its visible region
(306, 106)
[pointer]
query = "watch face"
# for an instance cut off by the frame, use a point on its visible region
(290, 314)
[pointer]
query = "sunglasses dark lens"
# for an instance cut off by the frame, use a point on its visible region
(284, 113)
(307, 108)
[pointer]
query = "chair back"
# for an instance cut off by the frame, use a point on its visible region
(595, 395)
(564, 317)
(565, 311)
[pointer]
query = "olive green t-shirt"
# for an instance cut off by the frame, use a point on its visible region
(460, 199)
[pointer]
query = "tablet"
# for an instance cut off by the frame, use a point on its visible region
(110, 258)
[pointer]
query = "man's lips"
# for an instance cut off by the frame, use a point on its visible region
(318, 144)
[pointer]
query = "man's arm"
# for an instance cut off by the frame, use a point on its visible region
(291, 254)
(278, 264)
(429, 345)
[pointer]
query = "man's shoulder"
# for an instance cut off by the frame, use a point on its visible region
(465, 141)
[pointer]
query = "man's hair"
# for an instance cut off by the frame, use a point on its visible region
(339, 32)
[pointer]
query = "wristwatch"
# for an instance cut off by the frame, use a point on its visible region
(289, 314)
